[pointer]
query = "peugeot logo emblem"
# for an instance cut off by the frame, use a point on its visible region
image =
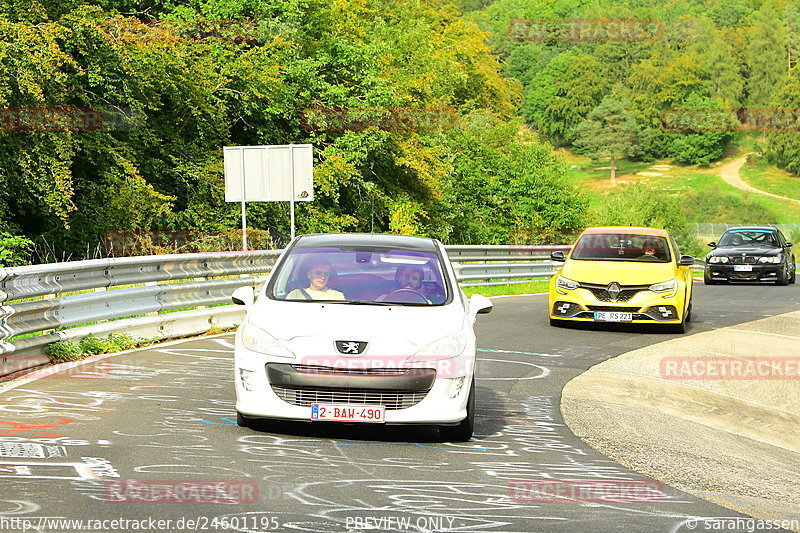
(613, 290)
(351, 347)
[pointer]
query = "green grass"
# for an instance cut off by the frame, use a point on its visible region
(703, 182)
(512, 288)
(760, 174)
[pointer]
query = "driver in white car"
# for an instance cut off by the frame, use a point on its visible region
(410, 277)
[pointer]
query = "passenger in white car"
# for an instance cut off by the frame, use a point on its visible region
(318, 275)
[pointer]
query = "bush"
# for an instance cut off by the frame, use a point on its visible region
(14, 250)
(92, 345)
(123, 341)
(62, 352)
(640, 205)
(715, 206)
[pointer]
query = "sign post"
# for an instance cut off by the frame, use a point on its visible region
(275, 173)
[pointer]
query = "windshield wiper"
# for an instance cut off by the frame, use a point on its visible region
(357, 302)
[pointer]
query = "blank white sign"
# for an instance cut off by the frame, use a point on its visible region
(267, 175)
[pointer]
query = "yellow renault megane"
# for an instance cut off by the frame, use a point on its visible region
(623, 274)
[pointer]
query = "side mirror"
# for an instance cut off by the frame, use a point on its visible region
(712, 244)
(480, 305)
(686, 261)
(558, 256)
(788, 245)
(244, 296)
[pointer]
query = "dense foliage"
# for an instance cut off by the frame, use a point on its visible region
(177, 81)
(730, 54)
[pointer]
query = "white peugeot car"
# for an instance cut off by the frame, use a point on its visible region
(360, 329)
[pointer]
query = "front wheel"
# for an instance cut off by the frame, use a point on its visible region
(708, 281)
(793, 278)
(463, 431)
(680, 328)
(784, 279)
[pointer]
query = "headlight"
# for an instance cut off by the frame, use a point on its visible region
(445, 348)
(666, 288)
(256, 339)
(770, 259)
(566, 284)
(717, 259)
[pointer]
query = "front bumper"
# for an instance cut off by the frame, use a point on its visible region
(759, 272)
(278, 388)
(646, 307)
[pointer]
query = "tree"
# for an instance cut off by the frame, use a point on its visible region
(706, 142)
(766, 56)
(561, 95)
(783, 147)
(609, 131)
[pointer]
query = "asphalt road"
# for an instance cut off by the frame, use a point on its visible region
(103, 441)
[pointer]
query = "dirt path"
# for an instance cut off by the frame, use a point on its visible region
(730, 173)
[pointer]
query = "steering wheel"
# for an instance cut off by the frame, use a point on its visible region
(402, 295)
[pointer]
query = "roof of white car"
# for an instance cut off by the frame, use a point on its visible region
(404, 242)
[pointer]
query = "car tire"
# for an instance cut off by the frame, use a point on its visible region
(784, 279)
(688, 313)
(708, 281)
(793, 277)
(242, 421)
(678, 328)
(463, 431)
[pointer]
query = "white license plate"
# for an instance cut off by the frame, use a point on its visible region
(332, 412)
(743, 268)
(613, 316)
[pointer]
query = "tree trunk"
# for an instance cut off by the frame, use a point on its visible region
(613, 168)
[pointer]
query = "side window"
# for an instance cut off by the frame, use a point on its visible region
(781, 239)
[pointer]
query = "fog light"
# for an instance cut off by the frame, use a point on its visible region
(455, 386)
(246, 377)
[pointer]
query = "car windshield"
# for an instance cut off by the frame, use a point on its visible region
(360, 275)
(622, 247)
(763, 238)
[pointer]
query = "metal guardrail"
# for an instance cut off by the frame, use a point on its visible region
(36, 298)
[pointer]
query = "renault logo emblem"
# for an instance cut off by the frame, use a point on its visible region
(613, 290)
(351, 347)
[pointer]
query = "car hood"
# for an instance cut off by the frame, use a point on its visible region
(747, 250)
(623, 272)
(313, 328)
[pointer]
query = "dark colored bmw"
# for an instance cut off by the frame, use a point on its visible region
(751, 253)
